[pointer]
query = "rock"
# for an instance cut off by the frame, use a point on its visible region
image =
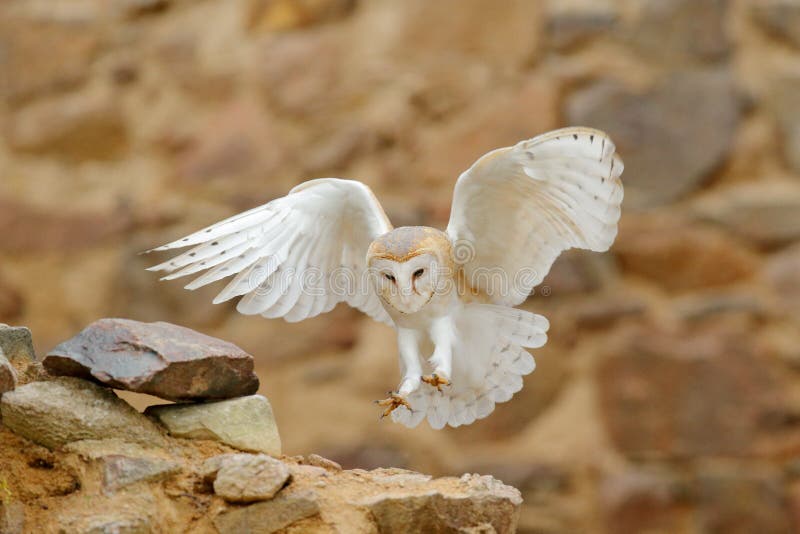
(161, 359)
(766, 214)
(17, 344)
(575, 271)
(667, 151)
(484, 503)
(12, 517)
(641, 501)
(779, 18)
(783, 102)
(681, 31)
(281, 15)
(78, 128)
(244, 478)
(8, 376)
(688, 394)
(106, 525)
(120, 471)
(782, 271)
(269, 516)
(571, 24)
(245, 423)
(28, 64)
(679, 255)
(603, 311)
(319, 461)
(63, 410)
(734, 500)
(27, 229)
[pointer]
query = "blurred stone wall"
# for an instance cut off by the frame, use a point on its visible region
(667, 399)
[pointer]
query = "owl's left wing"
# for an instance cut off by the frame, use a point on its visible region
(294, 257)
(517, 208)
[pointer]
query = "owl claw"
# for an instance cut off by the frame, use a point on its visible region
(391, 403)
(436, 381)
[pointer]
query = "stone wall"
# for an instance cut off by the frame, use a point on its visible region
(666, 399)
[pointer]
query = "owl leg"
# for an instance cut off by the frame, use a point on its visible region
(410, 367)
(442, 359)
(391, 403)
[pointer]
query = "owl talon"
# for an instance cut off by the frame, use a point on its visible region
(436, 381)
(391, 403)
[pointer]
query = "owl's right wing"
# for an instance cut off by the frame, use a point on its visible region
(295, 257)
(517, 208)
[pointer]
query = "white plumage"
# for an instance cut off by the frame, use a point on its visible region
(450, 296)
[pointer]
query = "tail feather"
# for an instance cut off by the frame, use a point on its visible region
(489, 362)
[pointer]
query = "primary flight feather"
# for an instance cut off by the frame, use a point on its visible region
(449, 295)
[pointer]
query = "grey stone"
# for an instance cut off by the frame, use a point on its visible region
(120, 471)
(244, 478)
(16, 343)
(766, 214)
(571, 24)
(118, 526)
(63, 410)
(671, 138)
(161, 359)
(12, 517)
(268, 516)
(246, 423)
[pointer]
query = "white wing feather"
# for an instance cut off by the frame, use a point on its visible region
(295, 257)
(518, 208)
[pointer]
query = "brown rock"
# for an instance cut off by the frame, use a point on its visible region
(571, 24)
(278, 15)
(766, 214)
(8, 376)
(782, 271)
(731, 500)
(779, 18)
(244, 478)
(28, 65)
(76, 128)
(668, 151)
(783, 102)
(26, 229)
(161, 359)
(679, 255)
(641, 501)
(689, 393)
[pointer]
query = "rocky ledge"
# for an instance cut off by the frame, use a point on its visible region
(76, 458)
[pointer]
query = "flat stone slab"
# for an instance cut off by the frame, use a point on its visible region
(246, 423)
(161, 359)
(268, 516)
(246, 478)
(16, 343)
(64, 410)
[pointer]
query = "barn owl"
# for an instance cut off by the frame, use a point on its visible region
(450, 295)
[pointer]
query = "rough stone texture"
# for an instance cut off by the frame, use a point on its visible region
(219, 118)
(681, 256)
(12, 517)
(8, 376)
(268, 517)
(63, 410)
(669, 150)
(243, 478)
(246, 423)
(161, 359)
(779, 18)
(712, 394)
(121, 471)
(16, 343)
(766, 214)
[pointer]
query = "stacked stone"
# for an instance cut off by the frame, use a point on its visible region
(135, 478)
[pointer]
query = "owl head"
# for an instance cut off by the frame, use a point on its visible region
(409, 265)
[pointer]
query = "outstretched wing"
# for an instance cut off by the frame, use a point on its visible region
(295, 257)
(517, 208)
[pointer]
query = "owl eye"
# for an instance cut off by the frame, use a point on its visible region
(389, 277)
(418, 273)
